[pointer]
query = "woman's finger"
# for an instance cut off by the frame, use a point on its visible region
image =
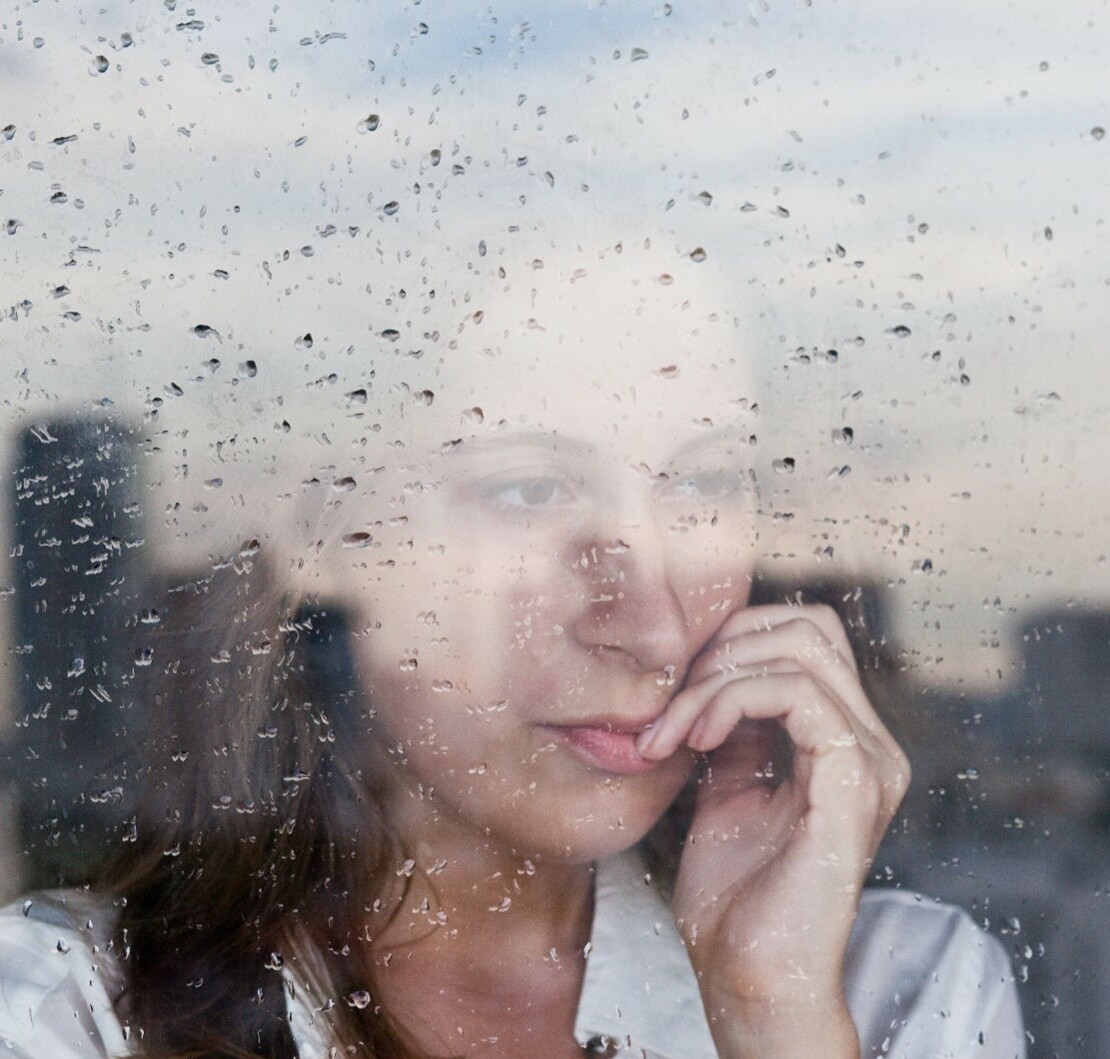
(785, 649)
(802, 641)
(769, 616)
(833, 762)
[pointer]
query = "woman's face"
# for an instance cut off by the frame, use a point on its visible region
(556, 529)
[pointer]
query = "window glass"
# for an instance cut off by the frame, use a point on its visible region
(284, 286)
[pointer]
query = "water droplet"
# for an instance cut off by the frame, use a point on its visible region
(1098, 132)
(698, 254)
(843, 436)
(407, 665)
(250, 548)
(204, 331)
(391, 334)
(390, 208)
(901, 331)
(275, 961)
(344, 484)
(248, 368)
(783, 466)
(474, 416)
(209, 58)
(359, 539)
(436, 154)
(144, 656)
(669, 371)
(99, 65)
(8, 132)
(304, 341)
(705, 198)
(1048, 234)
(358, 396)
(638, 55)
(424, 397)
(359, 999)
(369, 123)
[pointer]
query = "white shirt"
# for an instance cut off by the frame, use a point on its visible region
(923, 981)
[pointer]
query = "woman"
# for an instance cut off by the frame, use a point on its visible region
(398, 810)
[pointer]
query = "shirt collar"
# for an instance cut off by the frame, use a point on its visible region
(639, 989)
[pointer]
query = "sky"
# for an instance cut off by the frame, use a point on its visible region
(918, 186)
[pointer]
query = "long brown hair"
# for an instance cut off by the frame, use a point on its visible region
(259, 835)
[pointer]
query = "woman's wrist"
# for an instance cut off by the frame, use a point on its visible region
(782, 1028)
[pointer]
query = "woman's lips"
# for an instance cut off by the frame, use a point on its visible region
(606, 749)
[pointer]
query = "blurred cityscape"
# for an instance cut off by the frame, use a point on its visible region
(1008, 815)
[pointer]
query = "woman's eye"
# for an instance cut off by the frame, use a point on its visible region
(707, 485)
(528, 493)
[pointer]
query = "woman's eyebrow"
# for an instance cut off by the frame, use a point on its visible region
(523, 439)
(738, 431)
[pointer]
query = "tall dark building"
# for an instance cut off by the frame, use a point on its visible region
(77, 566)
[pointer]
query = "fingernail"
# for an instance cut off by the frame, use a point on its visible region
(694, 738)
(645, 739)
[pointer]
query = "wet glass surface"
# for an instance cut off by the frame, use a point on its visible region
(294, 290)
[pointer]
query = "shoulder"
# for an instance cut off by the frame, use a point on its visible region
(923, 980)
(59, 977)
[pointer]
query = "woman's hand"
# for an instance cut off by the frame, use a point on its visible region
(800, 782)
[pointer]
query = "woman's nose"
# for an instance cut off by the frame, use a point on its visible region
(632, 605)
